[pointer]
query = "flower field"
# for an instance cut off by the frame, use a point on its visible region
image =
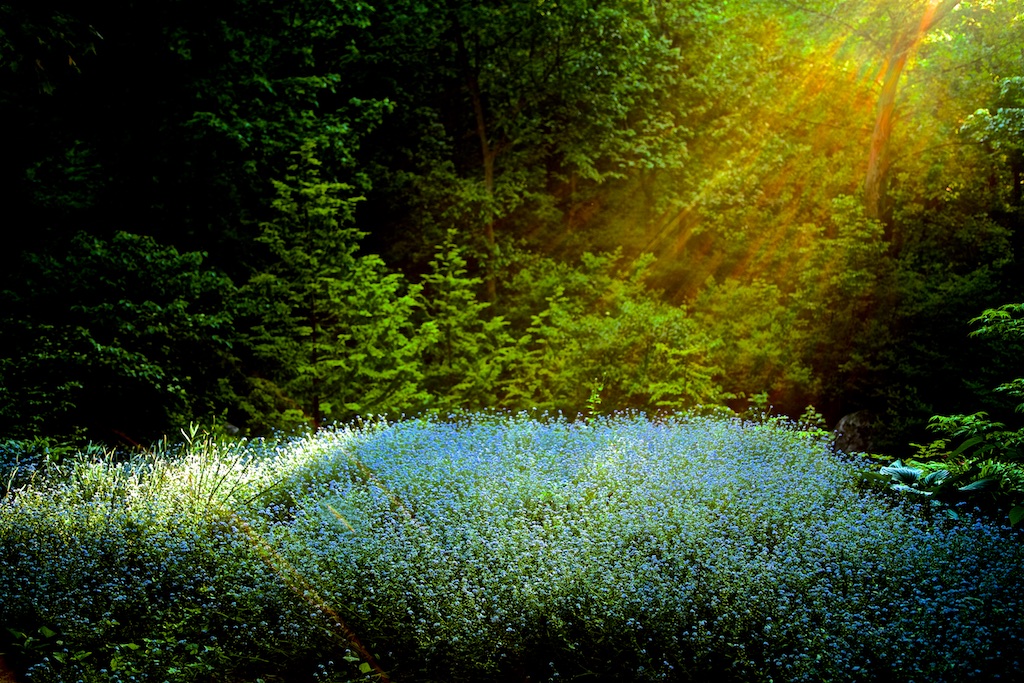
(498, 548)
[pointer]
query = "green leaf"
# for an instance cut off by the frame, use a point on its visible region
(907, 475)
(364, 668)
(1016, 515)
(936, 478)
(910, 489)
(876, 477)
(980, 485)
(968, 444)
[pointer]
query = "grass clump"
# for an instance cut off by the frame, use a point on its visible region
(496, 548)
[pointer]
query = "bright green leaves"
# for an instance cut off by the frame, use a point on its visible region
(766, 341)
(989, 485)
(466, 350)
(1005, 128)
(601, 327)
(845, 261)
(311, 234)
(331, 333)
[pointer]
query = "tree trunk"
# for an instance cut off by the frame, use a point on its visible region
(488, 151)
(314, 361)
(876, 181)
(1017, 178)
(489, 154)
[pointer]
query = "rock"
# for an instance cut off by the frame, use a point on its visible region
(854, 432)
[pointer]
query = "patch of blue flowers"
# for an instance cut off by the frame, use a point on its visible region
(498, 547)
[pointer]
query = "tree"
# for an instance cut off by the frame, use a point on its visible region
(770, 141)
(604, 336)
(519, 102)
(929, 62)
(176, 129)
(466, 351)
(1003, 131)
(904, 37)
(331, 332)
(120, 340)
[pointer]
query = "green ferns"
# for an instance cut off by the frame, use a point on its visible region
(985, 467)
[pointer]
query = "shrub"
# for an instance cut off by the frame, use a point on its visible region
(987, 462)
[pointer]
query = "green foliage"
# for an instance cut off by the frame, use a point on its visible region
(844, 292)
(604, 326)
(811, 338)
(466, 351)
(1005, 323)
(1003, 128)
(942, 488)
(264, 80)
(124, 338)
(926, 364)
(765, 337)
(519, 111)
(330, 331)
(729, 140)
(987, 453)
(954, 480)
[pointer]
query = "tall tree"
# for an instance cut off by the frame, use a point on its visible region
(330, 334)
(520, 103)
(467, 349)
(899, 46)
(880, 38)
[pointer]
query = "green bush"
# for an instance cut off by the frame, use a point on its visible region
(118, 339)
(599, 326)
(983, 458)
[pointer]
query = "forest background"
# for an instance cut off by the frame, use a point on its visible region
(275, 215)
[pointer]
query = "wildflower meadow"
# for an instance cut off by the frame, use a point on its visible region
(498, 548)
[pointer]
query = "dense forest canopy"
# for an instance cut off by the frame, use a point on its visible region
(278, 214)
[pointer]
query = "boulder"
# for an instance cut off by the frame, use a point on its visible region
(854, 432)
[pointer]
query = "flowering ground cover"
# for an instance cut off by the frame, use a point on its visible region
(499, 548)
